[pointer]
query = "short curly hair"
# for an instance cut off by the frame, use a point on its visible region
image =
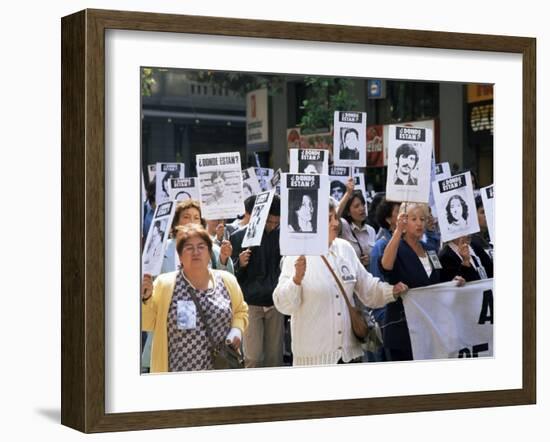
(189, 231)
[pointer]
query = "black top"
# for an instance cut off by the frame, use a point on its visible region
(484, 250)
(452, 266)
(407, 269)
(260, 277)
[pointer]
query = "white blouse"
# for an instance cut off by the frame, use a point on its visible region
(320, 323)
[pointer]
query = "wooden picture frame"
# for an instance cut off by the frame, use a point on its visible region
(83, 216)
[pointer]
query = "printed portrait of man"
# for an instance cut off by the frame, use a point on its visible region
(337, 190)
(349, 143)
(407, 160)
(221, 190)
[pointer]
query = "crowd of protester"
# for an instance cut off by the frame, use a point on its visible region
(290, 310)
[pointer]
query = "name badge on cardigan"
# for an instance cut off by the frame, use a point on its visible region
(434, 260)
(187, 315)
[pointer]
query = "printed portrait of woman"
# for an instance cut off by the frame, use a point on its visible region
(302, 213)
(457, 213)
(165, 184)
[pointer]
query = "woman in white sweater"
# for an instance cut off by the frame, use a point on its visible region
(307, 291)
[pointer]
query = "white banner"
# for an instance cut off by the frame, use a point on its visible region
(304, 214)
(409, 164)
(220, 185)
(446, 321)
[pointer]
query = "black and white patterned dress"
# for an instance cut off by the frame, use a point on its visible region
(189, 350)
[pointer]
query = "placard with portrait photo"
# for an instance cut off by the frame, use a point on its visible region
(359, 184)
(264, 175)
(251, 185)
(151, 168)
(164, 172)
(220, 185)
(442, 170)
(409, 164)
(338, 177)
(275, 181)
(182, 189)
(456, 207)
(258, 217)
(304, 214)
(350, 139)
(309, 161)
(488, 200)
(153, 250)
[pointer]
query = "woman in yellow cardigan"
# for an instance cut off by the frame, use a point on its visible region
(180, 342)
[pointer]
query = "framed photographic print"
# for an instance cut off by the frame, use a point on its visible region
(123, 74)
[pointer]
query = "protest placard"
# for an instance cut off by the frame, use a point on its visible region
(350, 139)
(409, 164)
(220, 185)
(488, 200)
(456, 207)
(143, 192)
(182, 189)
(304, 214)
(275, 181)
(151, 168)
(251, 185)
(293, 138)
(153, 250)
(442, 170)
(264, 175)
(309, 161)
(256, 225)
(164, 173)
(338, 177)
(359, 181)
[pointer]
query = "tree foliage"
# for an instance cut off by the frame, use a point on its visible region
(147, 81)
(325, 95)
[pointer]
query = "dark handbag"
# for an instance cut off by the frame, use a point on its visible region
(359, 325)
(374, 339)
(224, 357)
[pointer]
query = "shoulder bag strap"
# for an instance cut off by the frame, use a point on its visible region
(337, 282)
(356, 239)
(203, 316)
